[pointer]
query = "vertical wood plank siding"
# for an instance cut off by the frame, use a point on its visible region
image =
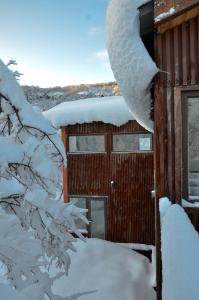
(130, 208)
(177, 56)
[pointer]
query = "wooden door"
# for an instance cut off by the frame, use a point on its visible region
(132, 207)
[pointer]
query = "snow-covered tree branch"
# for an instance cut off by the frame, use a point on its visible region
(34, 227)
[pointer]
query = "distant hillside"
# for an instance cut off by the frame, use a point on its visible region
(46, 98)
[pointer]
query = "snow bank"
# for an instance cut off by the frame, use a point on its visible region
(7, 293)
(180, 256)
(190, 204)
(112, 110)
(131, 63)
(115, 272)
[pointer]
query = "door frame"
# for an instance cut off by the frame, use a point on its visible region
(88, 200)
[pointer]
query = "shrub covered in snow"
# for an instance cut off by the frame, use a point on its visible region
(34, 228)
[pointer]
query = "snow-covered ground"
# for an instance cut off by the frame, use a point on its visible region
(113, 271)
(180, 254)
(7, 293)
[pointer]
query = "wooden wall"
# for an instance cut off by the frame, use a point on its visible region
(177, 56)
(130, 207)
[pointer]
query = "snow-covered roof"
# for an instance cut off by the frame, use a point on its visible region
(132, 65)
(111, 110)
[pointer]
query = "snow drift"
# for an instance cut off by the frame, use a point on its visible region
(7, 293)
(131, 63)
(113, 271)
(180, 254)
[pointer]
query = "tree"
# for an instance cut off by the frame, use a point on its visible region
(34, 227)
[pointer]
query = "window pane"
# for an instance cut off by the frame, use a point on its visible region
(132, 142)
(97, 219)
(193, 147)
(81, 203)
(86, 143)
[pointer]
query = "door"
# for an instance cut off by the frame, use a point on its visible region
(131, 183)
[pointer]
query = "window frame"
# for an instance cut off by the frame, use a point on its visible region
(133, 151)
(186, 95)
(88, 200)
(86, 152)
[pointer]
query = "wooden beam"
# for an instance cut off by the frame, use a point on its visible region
(177, 19)
(64, 169)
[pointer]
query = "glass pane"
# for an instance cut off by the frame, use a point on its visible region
(132, 142)
(86, 143)
(81, 203)
(97, 219)
(193, 147)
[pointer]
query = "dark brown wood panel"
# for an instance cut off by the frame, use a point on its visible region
(176, 54)
(87, 174)
(193, 214)
(132, 217)
(100, 127)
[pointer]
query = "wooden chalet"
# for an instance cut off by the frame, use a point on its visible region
(176, 108)
(119, 181)
(109, 170)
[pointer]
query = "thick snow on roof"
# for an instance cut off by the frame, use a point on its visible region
(113, 271)
(112, 110)
(131, 63)
(180, 255)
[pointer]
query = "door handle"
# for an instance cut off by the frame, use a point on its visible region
(113, 184)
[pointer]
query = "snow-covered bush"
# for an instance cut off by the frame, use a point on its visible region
(34, 228)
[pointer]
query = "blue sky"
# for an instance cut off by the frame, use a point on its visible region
(55, 42)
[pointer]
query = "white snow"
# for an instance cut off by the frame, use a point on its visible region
(136, 246)
(163, 15)
(132, 65)
(164, 204)
(115, 272)
(190, 204)
(112, 110)
(11, 89)
(180, 256)
(8, 293)
(33, 225)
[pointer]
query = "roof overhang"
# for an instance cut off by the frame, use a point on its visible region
(147, 25)
(177, 18)
(146, 18)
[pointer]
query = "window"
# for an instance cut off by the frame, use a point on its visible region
(95, 214)
(86, 143)
(81, 203)
(191, 146)
(136, 142)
